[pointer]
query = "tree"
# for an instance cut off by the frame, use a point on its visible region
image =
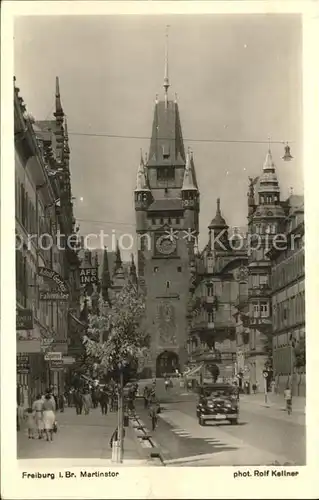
(115, 340)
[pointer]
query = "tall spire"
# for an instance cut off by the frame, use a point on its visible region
(189, 181)
(106, 280)
(218, 221)
(118, 259)
(166, 78)
(142, 181)
(58, 105)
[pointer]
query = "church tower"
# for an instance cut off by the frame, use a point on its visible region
(167, 212)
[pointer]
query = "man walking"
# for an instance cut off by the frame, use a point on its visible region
(104, 400)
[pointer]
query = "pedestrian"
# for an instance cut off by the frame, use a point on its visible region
(20, 415)
(78, 401)
(37, 408)
(87, 402)
(61, 403)
(166, 382)
(145, 396)
(30, 422)
(254, 387)
(104, 400)
(48, 417)
(153, 409)
(288, 399)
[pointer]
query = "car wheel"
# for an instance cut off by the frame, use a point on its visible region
(234, 421)
(201, 421)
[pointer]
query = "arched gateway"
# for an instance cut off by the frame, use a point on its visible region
(166, 363)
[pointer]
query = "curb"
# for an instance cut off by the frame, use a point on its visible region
(147, 444)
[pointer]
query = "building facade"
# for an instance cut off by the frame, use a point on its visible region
(221, 270)
(288, 301)
(46, 274)
(167, 210)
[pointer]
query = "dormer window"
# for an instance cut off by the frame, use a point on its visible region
(166, 152)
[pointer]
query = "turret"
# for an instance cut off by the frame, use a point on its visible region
(190, 194)
(218, 231)
(142, 196)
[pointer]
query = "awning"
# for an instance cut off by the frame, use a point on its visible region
(194, 371)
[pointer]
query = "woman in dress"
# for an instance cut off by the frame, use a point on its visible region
(37, 408)
(48, 417)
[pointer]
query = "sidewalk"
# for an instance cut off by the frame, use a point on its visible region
(275, 401)
(80, 436)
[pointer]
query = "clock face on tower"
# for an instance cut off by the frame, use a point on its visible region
(165, 244)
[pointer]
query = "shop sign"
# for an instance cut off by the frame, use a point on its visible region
(52, 295)
(68, 360)
(56, 364)
(24, 319)
(53, 276)
(23, 363)
(53, 356)
(88, 275)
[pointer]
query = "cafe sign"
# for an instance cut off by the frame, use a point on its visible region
(88, 275)
(24, 319)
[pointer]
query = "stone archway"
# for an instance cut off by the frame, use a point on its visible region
(166, 362)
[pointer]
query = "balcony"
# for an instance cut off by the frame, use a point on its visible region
(261, 291)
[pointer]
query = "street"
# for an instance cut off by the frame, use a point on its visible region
(264, 435)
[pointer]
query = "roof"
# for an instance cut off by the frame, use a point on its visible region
(218, 221)
(44, 129)
(142, 181)
(268, 181)
(189, 181)
(167, 147)
(166, 204)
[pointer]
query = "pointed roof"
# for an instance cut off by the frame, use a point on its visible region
(167, 146)
(106, 279)
(142, 180)
(189, 182)
(118, 259)
(218, 221)
(58, 105)
(268, 181)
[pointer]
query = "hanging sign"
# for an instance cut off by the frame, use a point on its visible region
(53, 295)
(45, 272)
(53, 356)
(88, 275)
(56, 365)
(24, 319)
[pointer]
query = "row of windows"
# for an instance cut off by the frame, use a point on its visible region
(265, 228)
(289, 312)
(167, 220)
(268, 199)
(288, 271)
(261, 309)
(296, 242)
(258, 280)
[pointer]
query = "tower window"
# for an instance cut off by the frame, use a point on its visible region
(155, 269)
(154, 222)
(179, 269)
(165, 173)
(168, 284)
(177, 220)
(161, 221)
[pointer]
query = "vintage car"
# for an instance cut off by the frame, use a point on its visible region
(217, 402)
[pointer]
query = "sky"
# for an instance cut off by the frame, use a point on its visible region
(237, 78)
